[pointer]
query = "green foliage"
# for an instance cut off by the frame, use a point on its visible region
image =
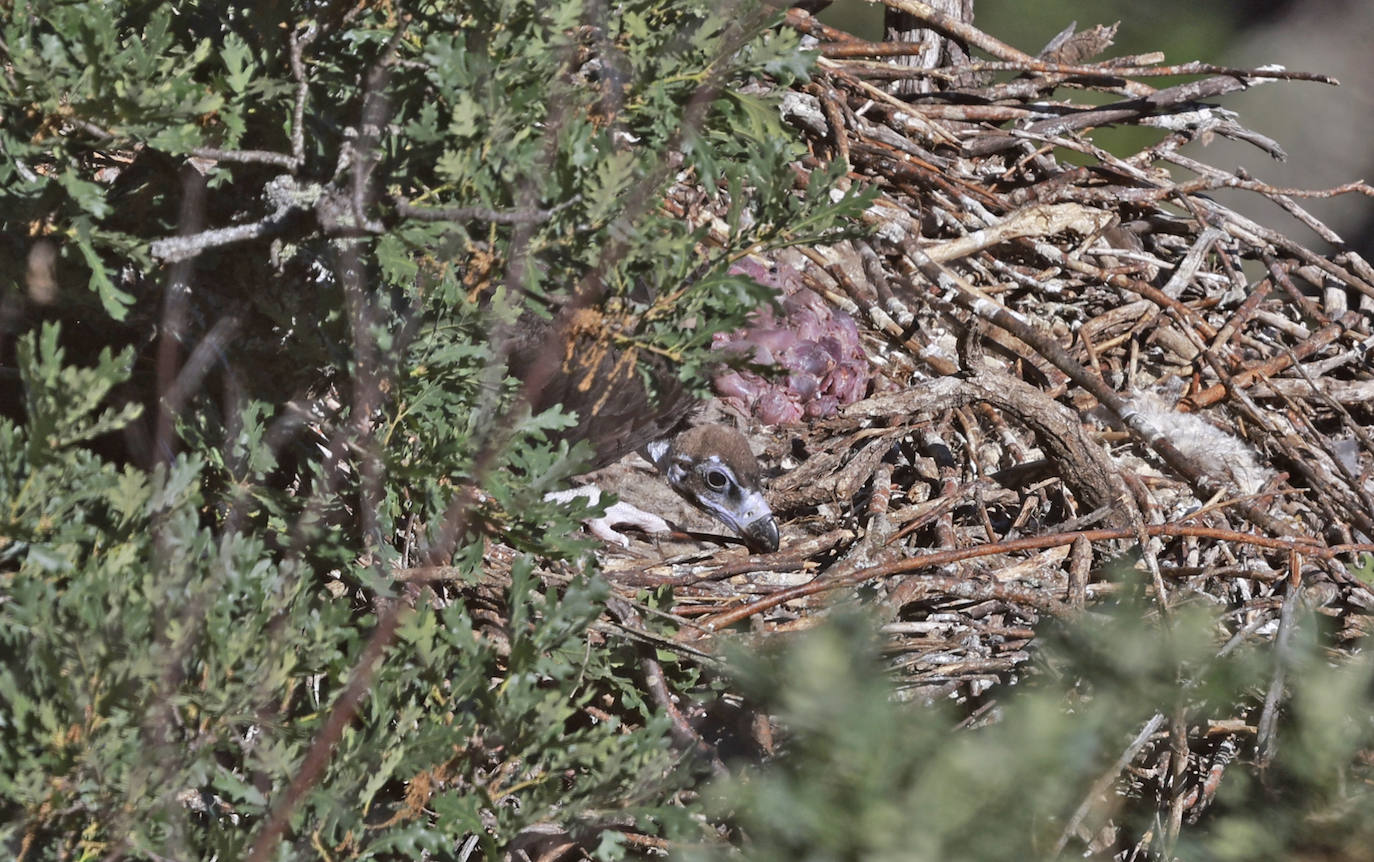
(185, 597)
(1365, 571)
(219, 451)
(862, 776)
(156, 667)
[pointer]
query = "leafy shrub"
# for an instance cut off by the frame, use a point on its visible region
(1078, 757)
(257, 264)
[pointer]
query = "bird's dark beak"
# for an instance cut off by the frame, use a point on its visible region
(761, 535)
(750, 516)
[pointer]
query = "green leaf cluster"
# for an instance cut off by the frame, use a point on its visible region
(223, 459)
(164, 675)
(861, 775)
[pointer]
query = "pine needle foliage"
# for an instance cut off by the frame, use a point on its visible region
(258, 261)
(278, 578)
(860, 775)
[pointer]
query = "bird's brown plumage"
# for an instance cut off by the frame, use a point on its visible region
(578, 364)
(603, 384)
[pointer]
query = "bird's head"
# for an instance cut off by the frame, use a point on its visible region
(712, 467)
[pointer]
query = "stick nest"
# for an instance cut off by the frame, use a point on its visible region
(1082, 365)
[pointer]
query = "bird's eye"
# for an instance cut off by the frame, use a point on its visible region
(717, 480)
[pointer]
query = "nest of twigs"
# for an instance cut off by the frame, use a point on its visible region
(1077, 366)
